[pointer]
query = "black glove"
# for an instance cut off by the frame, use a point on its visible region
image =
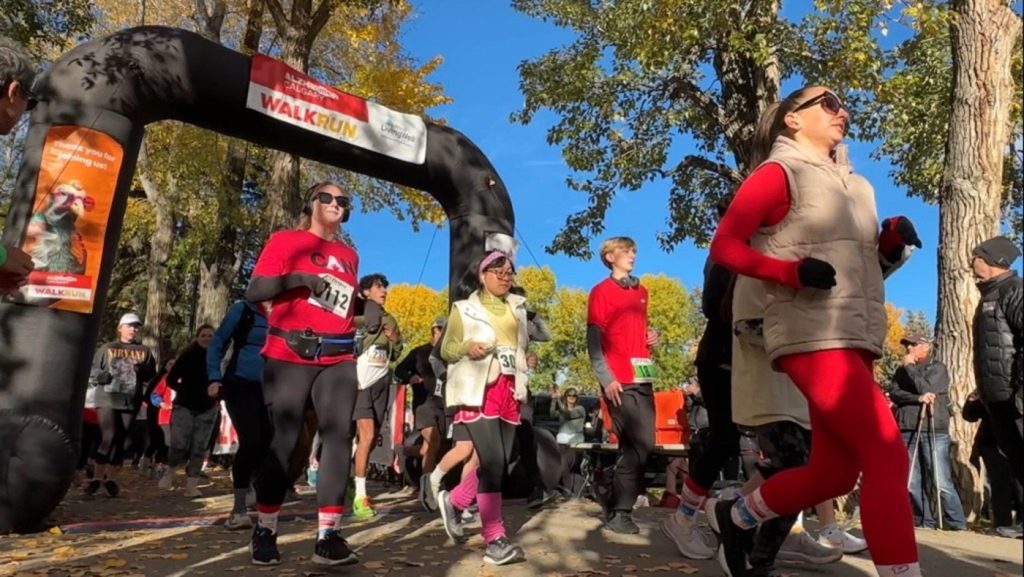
(897, 232)
(815, 273)
(104, 378)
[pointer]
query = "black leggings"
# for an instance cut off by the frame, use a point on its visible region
(722, 449)
(492, 440)
(633, 423)
(248, 412)
(91, 438)
(286, 387)
(157, 447)
(527, 440)
(114, 425)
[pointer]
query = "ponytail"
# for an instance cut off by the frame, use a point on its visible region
(771, 124)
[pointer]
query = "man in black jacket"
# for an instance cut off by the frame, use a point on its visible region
(999, 343)
(920, 390)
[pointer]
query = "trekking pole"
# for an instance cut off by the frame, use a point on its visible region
(916, 441)
(935, 465)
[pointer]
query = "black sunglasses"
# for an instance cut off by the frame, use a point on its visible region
(829, 102)
(326, 197)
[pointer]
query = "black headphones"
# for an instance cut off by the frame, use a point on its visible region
(307, 207)
(628, 282)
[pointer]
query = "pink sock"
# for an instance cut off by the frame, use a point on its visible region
(462, 496)
(491, 525)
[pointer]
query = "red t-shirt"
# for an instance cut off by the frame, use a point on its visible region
(762, 200)
(621, 314)
(300, 251)
(166, 394)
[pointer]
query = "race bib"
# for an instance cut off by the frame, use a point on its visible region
(377, 356)
(506, 359)
(439, 388)
(643, 370)
(335, 297)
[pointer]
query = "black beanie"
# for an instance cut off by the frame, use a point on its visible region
(997, 251)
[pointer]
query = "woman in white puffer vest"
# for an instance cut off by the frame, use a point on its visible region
(485, 346)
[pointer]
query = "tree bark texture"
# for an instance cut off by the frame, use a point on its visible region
(159, 253)
(983, 34)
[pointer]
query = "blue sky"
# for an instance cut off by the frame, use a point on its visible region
(482, 42)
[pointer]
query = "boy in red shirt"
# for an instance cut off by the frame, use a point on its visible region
(617, 342)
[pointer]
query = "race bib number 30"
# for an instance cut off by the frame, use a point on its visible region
(643, 370)
(506, 359)
(335, 297)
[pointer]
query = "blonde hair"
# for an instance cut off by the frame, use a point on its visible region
(773, 123)
(305, 220)
(613, 243)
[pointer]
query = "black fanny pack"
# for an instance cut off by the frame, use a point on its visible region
(310, 345)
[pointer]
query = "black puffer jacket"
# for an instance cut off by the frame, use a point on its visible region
(999, 337)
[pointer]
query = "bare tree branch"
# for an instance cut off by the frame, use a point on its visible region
(725, 171)
(320, 18)
(278, 15)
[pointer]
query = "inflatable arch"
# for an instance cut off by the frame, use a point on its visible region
(72, 189)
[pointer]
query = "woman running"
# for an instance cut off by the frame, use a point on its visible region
(485, 346)
(813, 236)
(309, 277)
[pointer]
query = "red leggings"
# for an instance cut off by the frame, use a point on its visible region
(854, 433)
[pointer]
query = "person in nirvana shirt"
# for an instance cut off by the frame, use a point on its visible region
(307, 278)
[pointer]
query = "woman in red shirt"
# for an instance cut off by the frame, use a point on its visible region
(308, 278)
(805, 224)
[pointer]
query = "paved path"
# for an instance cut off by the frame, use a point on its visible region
(564, 540)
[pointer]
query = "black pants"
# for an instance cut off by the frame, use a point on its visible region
(137, 440)
(493, 440)
(1007, 428)
(527, 440)
(784, 445)
(114, 425)
(248, 412)
(91, 438)
(722, 450)
(568, 462)
(1006, 496)
(333, 389)
(633, 423)
(157, 447)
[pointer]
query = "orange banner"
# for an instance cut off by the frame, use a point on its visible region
(74, 192)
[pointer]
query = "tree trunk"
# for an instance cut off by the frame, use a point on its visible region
(220, 263)
(283, 200)
(159, 253)
(983, 34)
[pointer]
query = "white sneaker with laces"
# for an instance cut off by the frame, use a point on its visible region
(802, 548)
(840, 539)
(683, 531)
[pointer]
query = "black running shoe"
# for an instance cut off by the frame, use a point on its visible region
(622, 522)
(263, 547)
(93, 486)
(501, 551)
(110, 486)
(734, 542)
(332, 549)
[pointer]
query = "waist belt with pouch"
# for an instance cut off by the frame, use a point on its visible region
(310, 345)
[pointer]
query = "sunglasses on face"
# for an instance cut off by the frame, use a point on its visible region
(326, 198)
(502, 274)
(829, 102)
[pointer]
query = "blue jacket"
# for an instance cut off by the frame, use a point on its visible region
(248, 363)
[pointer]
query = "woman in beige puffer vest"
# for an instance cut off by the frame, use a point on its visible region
(805, 225)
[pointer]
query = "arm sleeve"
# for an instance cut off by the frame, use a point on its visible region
(1012, 302)
(147, 369)
(905, 388)
(174, 375)
(99, 366)
(973, 411)
(215, 352)
(759, 200)
(406, 369)
(452, 347)
(936, 379)
(597, 361)
(538, 329)
(270, 276)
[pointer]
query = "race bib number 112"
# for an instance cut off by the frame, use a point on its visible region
(336, 296)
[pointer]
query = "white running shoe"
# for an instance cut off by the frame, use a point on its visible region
(840, 539)
(683, 531)
(801, 547)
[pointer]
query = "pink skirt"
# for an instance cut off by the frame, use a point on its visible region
(499, 403)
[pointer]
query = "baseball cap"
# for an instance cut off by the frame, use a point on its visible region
(914, 339)
(129, 319)
(439, 322)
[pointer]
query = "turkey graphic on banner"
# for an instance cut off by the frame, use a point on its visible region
(281, 92)
(74, 191)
